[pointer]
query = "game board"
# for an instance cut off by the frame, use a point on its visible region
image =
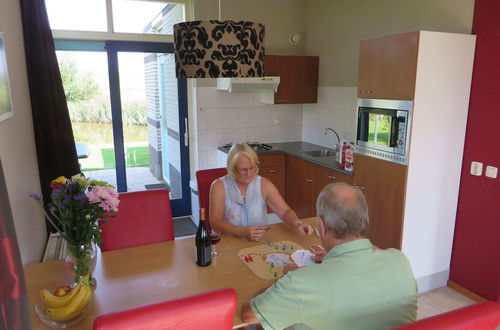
(255, 258)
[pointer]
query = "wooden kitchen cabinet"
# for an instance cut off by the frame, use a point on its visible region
(387, 67)
(324, 176)
(300, 186)
(272, 167)
(298, 78)
(384, 186)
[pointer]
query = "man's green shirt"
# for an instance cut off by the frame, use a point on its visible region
(355, 287)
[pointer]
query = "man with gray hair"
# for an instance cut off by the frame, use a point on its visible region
(354, 285)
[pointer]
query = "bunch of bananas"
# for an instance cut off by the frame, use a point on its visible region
(69, 306)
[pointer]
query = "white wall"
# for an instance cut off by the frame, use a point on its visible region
(17, 145)
(224, 117)
(336, 108)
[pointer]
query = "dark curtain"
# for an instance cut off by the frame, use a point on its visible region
(14, 310)
(55, 145)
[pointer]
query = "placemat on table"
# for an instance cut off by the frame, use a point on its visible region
(255, 258)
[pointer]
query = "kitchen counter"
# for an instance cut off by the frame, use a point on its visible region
(293, 148)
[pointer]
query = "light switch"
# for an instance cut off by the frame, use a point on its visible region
(491, 172)
(476, 168)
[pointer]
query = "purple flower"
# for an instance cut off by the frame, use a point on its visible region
(73, 186)
(37, 197)
(56, 192)
(64, 202)
(80, 197)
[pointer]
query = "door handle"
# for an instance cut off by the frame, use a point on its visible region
(360, 187)
(332, 177)
(309, 180)
(186, 133)
(273, 171)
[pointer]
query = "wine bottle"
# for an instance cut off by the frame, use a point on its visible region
(203, 243)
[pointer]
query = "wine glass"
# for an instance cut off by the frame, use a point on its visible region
(214, 238)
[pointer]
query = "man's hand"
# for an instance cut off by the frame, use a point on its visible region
(255, 233)
(319, 253)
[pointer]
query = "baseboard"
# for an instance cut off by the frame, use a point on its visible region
(433, 281)
(465, 292)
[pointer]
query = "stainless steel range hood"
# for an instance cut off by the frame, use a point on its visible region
(248, 84)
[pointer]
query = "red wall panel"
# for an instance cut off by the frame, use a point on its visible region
(475, 263)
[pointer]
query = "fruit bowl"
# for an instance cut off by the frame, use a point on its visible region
(40, 311)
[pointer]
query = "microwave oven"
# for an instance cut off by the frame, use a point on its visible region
(383, 129)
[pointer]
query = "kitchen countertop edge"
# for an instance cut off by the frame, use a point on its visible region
(293, 148)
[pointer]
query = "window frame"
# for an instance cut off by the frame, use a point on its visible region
(110, 35)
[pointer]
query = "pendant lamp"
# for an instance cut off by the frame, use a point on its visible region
(216, 48)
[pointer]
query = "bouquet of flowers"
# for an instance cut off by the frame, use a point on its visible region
(76, 205)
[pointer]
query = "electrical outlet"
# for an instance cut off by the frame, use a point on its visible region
(491, 172)
(476, 168)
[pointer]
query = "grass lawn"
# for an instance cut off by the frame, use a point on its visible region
(104, 158)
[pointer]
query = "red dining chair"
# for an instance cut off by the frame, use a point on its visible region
(479, 316)
(213, 310)
(144, 217)
(204, 179)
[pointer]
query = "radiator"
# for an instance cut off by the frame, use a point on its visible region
(56, 248)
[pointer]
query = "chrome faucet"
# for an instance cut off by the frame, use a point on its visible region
(336, 147)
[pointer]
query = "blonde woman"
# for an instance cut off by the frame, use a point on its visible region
(239, 200)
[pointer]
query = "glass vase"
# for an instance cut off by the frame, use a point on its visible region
(83, 258)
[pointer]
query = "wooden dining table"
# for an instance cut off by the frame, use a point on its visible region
(142, 275)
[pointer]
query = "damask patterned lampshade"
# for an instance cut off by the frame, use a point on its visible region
(214, 49)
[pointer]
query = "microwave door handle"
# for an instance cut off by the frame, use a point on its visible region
(393, 142)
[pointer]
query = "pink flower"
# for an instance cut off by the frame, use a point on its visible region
(106, 197)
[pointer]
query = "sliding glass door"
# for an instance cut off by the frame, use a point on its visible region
(129, 115)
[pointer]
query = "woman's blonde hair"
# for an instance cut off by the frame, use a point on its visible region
(241, 149)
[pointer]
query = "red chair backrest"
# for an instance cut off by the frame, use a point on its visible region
(204, 179)
(485, 315)
(213, 310)
(144, 217)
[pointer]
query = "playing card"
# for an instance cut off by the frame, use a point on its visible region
(302, 258)
(278, 259)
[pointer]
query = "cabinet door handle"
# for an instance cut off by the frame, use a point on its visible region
(273, 171)
(360, 187)
(332, 177)
(365, 91)
(309, 180)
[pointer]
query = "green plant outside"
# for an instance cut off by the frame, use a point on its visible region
(99, 139)
(98, 133)
(383, 130)
(104, 158)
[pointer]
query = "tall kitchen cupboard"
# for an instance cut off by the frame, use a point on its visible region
(388, 66)
(383, 184)
(298, 79)
(428, 197)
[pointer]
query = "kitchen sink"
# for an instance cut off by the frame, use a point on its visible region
(319, 153)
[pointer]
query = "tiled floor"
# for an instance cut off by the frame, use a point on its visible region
(440, 301)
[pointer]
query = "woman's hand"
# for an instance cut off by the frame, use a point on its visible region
(303, 228)
(253, 233)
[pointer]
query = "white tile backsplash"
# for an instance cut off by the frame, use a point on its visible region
(208, 97)
(225, 117)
